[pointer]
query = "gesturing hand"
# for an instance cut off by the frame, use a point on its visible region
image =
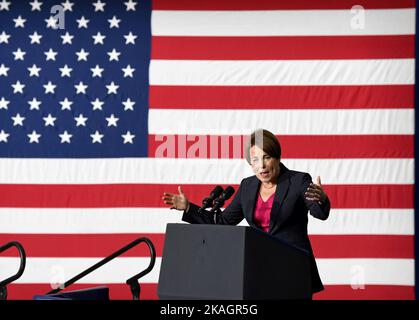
(177, 201)
(316, 193)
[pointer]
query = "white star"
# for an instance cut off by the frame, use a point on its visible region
(66, 104)
(81, 121)
(34, 137)
(82, 22)
(4, 37)
(65, 137)
(35, 38)
(18, 87)
(114, 55)
(81, 87)
(97, 71)
(34, 71)
(98, 38)
(18, 120)
(128, 104)
(97, 137)
(99, 6)
(67, 38)
(4, 103)
(65, 71)
(4, 5)
(3, 70)
(130, 5)
(130, 38)
(50, 54)
(51, 22)
(114, 22)
(68, 5)
(128, 71)
(36, 6)
(82, 55)
(3, 136)
(49, 87)
(34, 104)
(49, 121)
(128, 137)
(19, 54)
(97, 104)
(19, 22)
(112, 121)
(112, 88)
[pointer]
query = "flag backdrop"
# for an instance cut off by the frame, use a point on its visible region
(130, 99)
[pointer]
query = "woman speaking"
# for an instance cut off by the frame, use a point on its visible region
(275, 200)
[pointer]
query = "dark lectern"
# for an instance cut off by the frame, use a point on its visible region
(203, 261)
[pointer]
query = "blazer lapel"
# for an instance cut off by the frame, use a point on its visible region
(252, 195)
(280, 194)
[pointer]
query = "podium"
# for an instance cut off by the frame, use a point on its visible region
(216, 262)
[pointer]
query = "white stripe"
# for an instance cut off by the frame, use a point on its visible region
(286, 72)
(365, 221)
(196, 171)
(84, 221)
(283, 23)
(59, 270)
(357, 272)
(154, 220)
(286, 122)
(332, 271)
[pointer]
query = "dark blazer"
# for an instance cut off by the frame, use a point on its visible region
(289, 214)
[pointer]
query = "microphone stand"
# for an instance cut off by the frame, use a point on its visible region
(217, 214)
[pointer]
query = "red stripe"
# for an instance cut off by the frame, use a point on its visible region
(278, 5)
(102, 245)
(149, 292)
(293, 146)
(149, 195)
(81, 245)
(283, 48)
(281, 97)
(370, 292)
(363, 246)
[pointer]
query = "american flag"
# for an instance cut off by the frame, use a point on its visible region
(104, 105)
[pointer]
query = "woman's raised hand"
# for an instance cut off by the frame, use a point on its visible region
(176, 201)
(316, 193)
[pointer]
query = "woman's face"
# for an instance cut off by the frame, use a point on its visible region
(265, 167)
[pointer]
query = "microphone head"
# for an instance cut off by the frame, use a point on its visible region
(228, 192)
(216, 192)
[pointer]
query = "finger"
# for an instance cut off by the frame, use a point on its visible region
(311, 199)
(168, 202)
(315, 186)
(168, 198)
(179, 188)
(318, 192)
(168, 194)
(311, 195)
(319, 183)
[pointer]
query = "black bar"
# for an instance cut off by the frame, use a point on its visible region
(22, 254)
(132, 282)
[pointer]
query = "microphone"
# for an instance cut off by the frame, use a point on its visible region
(207, 202)
(228, 192)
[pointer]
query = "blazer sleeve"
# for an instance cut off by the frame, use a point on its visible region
(318, 211)
(232, 215)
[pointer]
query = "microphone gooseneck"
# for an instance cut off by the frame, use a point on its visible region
(208, 202)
